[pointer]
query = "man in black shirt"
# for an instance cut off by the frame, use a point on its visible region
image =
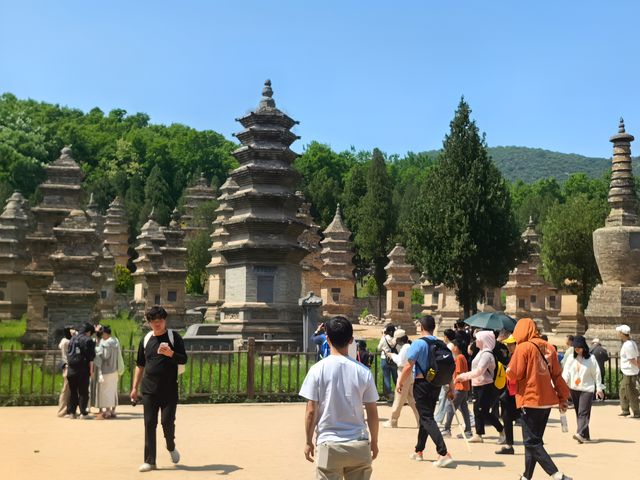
(80, 355)
(159, 354)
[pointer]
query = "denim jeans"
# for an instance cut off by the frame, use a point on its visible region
(389, 371)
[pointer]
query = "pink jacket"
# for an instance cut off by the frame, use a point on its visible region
(484, 363)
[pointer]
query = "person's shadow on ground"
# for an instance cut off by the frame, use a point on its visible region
(223, 469)
(479, 463)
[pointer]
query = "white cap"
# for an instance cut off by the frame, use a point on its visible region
(624, 329)
(595, 340)
(399, 333)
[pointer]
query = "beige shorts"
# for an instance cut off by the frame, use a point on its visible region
(348, 460)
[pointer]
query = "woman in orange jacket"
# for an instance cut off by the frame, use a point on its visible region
(535, 368)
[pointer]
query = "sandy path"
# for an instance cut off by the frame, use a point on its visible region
(266, 441)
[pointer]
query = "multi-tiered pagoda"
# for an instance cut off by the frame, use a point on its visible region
(14, 224)
(310, 239)
(116, 232)
(262, 253)
(195, 197)
(215, 268)
(336, 288)
(399, 285)
(61, 192)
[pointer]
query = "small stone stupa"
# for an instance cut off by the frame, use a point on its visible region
(262, 253)
(173, 272)
(71, 298)
(196, 196)
(527, 293)
(337, 286)
(310, 240)
(14, 224)
(215, 268)
(399, 284)
(116, 232)
(61, 193)
(146, 291)
(617, 250)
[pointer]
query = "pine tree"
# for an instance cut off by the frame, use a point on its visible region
(157, 197)
(463, 232)
(375, 221)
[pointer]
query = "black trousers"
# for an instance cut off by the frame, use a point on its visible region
(78, 393)
(582, 402)
(486, 399)
(152, 404)
(534, 422)
(509, 415)
(426, 396)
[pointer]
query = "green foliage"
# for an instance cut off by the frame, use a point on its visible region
(375, 221)
(416, 296)
(567, 249)
(124, 281)
(322, 172)
(364, 313)
(156, 198)
(372, 287)
(198, 258)
(462, 231)
(534, 200)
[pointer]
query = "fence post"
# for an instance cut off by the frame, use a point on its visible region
(251, 364)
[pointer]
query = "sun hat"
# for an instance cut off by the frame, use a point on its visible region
(399, 333)
(509, 340)
(624, 329)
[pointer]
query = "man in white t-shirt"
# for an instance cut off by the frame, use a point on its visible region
(630, 367)
(336, 388)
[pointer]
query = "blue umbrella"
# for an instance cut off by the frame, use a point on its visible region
(491, 321)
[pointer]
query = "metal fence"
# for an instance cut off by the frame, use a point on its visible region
(32, 377)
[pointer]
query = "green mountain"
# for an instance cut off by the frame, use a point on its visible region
(531, 164)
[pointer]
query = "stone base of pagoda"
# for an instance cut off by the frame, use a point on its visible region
(610, 306)
(274, 321)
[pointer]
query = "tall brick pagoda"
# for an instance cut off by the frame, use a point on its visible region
(116, 232)
(196, 196)
(262, 252)
(61, 193)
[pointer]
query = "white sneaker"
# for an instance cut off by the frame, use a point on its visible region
(417, 456)
(476, 439)
(175, 455)
(446, 433)
(443, 461)
(146, 467)
(502, 438)
(390, 424)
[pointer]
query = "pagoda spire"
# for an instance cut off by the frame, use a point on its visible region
(267, 101)
(622, 196)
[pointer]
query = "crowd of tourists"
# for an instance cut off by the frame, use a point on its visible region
(512, 378)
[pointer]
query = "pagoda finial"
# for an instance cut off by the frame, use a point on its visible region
(621, 126)
(338, 211)
(175, 218)
(531, 224)
(267, 96)
(152, 213)
(92, 203)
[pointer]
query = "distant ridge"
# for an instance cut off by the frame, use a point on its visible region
(531, 164)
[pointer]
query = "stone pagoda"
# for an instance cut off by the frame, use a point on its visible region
(173, 272)
(14, 225)
(95, 216)
(617, 250)
(146, 291)
(106, 305)
(399, 284)
(338, 284)
(527, 293)
(196, 196)
(262, 253)
(216, 267)
(310, 240)
(116, 232)
(61, 193)
(71, 298)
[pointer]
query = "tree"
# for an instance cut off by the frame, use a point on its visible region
(198, 257)
(156, 197)
(534, 200)
(463, 232)
(375, 221)
(567, 249)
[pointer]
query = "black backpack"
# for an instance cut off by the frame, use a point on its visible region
(441, 363)
(76, 356)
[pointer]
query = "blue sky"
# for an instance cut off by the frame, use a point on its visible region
(546, 74)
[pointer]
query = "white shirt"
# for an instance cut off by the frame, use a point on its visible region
(628, 351)
(340, 385)
(401, 358)
(582, 374)
(385, 345)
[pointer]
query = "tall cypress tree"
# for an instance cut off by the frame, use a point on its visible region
(375, 221)
(463, 232)
(157, 197)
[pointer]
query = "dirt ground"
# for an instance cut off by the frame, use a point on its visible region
(265, 441)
